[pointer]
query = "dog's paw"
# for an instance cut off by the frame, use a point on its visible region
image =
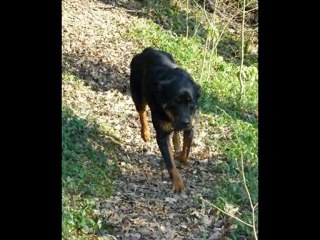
(145, 136)
(178, 185)
(179, 156)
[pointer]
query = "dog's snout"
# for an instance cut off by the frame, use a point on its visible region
(185, 122)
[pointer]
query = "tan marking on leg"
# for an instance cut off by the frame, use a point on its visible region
(184, 154)
(176, 141)
(177, 182)
(145, 130)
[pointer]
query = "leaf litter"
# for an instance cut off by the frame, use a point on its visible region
(143, 205)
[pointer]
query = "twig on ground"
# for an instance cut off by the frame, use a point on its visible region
(230, 215)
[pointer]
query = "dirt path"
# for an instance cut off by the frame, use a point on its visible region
(143, 205)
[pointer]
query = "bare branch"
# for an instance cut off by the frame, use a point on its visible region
(250, 200)
(242, 90)
(236, 218)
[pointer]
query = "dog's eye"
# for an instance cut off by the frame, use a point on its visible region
(178, 100)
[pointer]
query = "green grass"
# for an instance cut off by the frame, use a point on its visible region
(218, 78)
(87, 168)
(89, 146)
(230, 118)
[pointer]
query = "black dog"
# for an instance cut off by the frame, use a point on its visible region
(172, 96)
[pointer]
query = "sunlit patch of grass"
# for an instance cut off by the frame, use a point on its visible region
(233, 122)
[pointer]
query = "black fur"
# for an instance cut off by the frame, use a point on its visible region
(172, 96)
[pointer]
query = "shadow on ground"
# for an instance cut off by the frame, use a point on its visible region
(84, 154)
(95, 73)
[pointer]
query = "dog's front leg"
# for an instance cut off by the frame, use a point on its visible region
(163, 141)
(187, 141)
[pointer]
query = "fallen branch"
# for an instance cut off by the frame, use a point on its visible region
(236, 218)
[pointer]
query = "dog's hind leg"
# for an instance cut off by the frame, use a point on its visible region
(138, 99)
(145, 130)
(141, 108)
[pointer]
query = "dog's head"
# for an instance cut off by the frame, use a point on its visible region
(179, 96)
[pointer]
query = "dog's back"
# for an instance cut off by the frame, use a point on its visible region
(151, 57)
(150, 62)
